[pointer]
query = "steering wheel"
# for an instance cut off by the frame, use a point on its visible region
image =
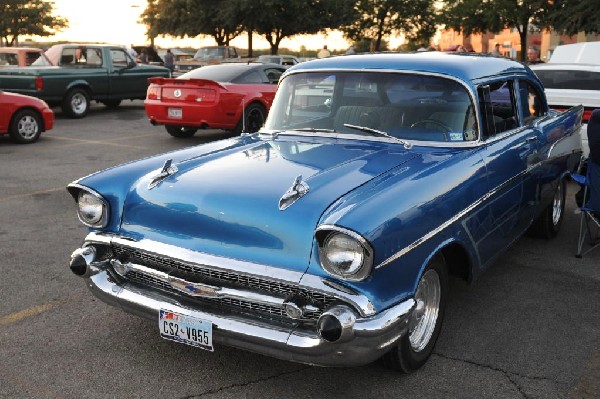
(445, 129)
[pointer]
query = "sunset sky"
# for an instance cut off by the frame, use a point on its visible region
(116, 21)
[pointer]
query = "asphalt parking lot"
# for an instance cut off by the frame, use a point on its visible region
(529, 328)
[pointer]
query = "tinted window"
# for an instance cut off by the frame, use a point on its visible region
(503, 106)
(252, 77)
(569, 79)
(225, 73)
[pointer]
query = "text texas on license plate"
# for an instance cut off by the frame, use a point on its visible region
(185, 329)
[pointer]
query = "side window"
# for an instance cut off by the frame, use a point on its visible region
(7, 59)
(249, 78)
(531, 102)
(273, 75)
(81, 56)
(502, 106)
(30, 57)
(119, 58)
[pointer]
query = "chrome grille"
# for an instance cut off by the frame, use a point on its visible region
(222, 278)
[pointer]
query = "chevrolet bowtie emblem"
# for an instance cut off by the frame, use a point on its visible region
(194, 289)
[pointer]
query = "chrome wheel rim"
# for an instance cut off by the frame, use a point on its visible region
(78, 103)
(557, 205)
(27, 127)
(425, 314)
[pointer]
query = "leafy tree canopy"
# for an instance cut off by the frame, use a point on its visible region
(191, 18)
(28, 17)
(379, 19)
(273, 19)
(476, 16)
(574, 16)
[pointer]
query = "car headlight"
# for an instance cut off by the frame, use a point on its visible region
(345, 254)
(91, 209)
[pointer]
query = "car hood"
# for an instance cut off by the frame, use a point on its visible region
(227, 203)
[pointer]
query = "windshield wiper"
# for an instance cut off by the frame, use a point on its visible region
(314, 130)
(376, 132)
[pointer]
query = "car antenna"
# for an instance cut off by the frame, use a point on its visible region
(243, 117)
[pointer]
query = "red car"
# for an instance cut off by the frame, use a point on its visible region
(214, 96)
(24, 118)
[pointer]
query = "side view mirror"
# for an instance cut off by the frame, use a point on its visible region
(130, 64)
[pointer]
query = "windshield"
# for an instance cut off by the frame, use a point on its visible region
(206, 53)
(405, 106)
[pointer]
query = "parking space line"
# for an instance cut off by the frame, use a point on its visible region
(20, 196)
(32, 311)
(83, 141)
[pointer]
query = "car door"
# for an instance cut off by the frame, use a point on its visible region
(127, 79)
(509, 152)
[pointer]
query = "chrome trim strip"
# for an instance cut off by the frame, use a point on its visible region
(456, 217)
(362, 304)
(105, 215)
(367, 266)
(205, 290)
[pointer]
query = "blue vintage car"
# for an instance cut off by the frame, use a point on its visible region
(329, 236)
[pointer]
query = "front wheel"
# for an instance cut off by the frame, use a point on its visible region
(26, 127)
(547, 225)
(180, 131)
(253, 119)
(425, 322)
(76, 103)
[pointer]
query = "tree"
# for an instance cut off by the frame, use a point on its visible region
(28, 17)
(376, 20)
(476, 16)
(571, 17)
(278, 19)
(191, 18)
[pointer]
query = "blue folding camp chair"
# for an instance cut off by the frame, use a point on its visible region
(589, 226)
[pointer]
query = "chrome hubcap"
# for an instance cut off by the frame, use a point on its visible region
(78, 103)
(557, 205)
(425, 314)
(27, 127)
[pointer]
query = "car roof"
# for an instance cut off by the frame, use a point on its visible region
(17, 49)
(225, 72)
(465, 66)
(577, 53)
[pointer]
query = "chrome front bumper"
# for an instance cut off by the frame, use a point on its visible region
(365, 338)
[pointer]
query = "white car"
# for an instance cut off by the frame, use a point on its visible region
(285, 60)
(572, 77)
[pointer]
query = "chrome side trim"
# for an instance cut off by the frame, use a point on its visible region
(456, 217)
(361, 303)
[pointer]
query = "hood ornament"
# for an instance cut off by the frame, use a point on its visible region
(298, 190)
(167, 170)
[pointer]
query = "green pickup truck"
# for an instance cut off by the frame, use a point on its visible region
(80, 73)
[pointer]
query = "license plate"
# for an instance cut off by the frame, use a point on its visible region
(185, 329)
(175, 113)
